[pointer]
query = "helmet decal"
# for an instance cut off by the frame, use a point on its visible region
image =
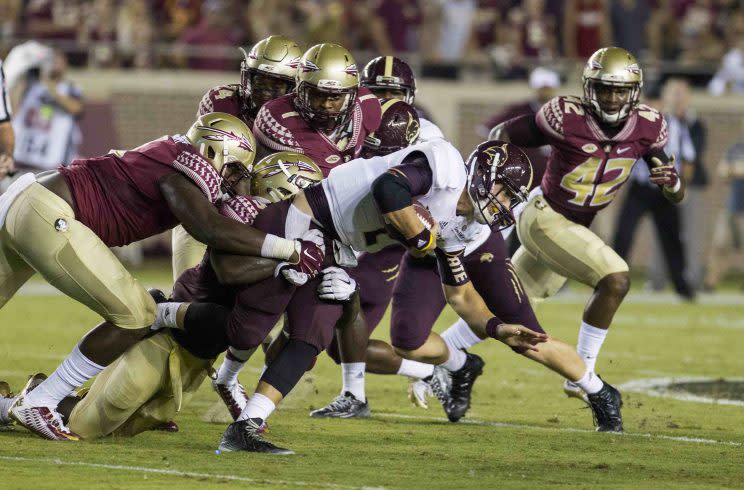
(223, 135)
(308, 66)
(351, 70)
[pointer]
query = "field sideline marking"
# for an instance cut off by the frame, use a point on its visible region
(159, 471)
(696, 440)
(657, 387)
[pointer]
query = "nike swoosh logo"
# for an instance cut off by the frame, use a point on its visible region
(623, 150)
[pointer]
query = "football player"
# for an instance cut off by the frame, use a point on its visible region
(327, 117)
(266, 72)
(595, 139)
(150, 383)
(363, 204)
(61, 223)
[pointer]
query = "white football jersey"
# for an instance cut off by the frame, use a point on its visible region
(356, 218)
(428, 131)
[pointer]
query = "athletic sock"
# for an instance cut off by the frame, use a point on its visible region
(455, 361)
(166, 316)
(230, 368)
(590, 342)
(258, 407)
(460, 336)
(75, 370)
(415, 369)
(353, 375)
(590, 382)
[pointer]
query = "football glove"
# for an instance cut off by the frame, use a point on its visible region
(664, 175)
(336, 285)
(311, 252)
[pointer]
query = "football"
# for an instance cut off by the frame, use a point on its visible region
(423, 215)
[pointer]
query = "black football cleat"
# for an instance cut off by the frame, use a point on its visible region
(245, 435)
(344, 406)
(605, 405)
(157, 295)
(462, 387)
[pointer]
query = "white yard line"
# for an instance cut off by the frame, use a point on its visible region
(696, 440)
(190, 474)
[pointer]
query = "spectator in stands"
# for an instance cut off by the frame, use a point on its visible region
(729, 231)
(629, 25)
(98, 33)
(210, 44)
(532, 38)
(47, 107)
(644, 197)
(446, 31)
(58, 21)
(699, 40)
(730, 77)
(664, 34)
(399, 19)
(586, 28)
(10, 18)
(7, 137)
(179, 16)
(134, 34)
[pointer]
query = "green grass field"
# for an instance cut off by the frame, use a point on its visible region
(520, 432)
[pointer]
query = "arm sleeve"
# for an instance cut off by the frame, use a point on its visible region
(451, 270)
(523, 131)
(658, 153)
(394, 190)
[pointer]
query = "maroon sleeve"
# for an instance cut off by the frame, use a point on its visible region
(394, 190)
(371, 110)
(523, 131)
(451, 269)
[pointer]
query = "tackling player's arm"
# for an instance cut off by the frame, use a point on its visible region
(470, 306)
(203, 222)
(232, 270)
(521, 130)
(393, 193)
(664, 174)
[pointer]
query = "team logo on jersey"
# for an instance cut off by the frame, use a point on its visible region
(333, 159)
(308, 65)
(486, 257)
(590, 148)
(351, 70)
(221, 135)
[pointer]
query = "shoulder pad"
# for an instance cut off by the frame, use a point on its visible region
(215, 98)
(272, 127)
(652, 125)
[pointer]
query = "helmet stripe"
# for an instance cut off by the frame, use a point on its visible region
(388, 66)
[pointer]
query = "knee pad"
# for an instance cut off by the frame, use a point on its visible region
(289, 366)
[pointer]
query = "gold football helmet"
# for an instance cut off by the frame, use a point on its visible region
(327, 68)
(613, 67)
(224, 141)
(282, 175)
(276, 57)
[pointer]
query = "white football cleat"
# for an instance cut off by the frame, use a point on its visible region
(418, 392)
(572, 390)
(233, 396)
(42, 421)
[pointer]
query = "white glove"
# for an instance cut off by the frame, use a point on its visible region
(293, 276)
(336, 285)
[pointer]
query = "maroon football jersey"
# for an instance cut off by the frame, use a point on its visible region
(200, 283)
(279, 127)
(586, 167)
(226, 98)
(118, 195)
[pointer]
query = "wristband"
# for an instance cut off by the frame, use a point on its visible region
(275, 247)
(492, 327)
(422, 242)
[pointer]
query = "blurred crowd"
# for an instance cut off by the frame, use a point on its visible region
(501, 38)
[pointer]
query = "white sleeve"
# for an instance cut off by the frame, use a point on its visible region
(5, 111)
(428, 131)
